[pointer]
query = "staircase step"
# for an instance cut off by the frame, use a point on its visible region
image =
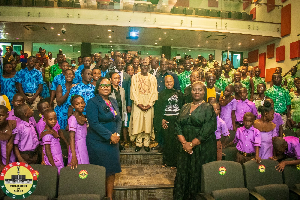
(144, 182)
(130, 157)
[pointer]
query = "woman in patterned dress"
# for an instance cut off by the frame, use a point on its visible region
(8, 82)
(62, 94)
(295, 104)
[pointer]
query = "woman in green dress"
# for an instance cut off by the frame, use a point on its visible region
(295, 104)
(166, 110)
(195, 128)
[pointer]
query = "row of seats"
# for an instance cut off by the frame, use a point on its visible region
(228, 180)
(141, 7)
(69, 185)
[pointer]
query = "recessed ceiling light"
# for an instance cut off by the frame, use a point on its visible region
(109, 36)
(240, 43)
(190, 50)
(147, 53)
(70, 45)
(110, 46)
(159, 38)
(112, 49)
(64, 39)
(78, 51)
(110, 41)
(52, 27)
(171, 39)
(198, 45)
(252, 38)
(7, 33)
(58, 34)
(155, 43)
(206, 42)
(165, 33)
(109, 30)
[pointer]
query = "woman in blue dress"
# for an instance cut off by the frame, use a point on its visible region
(104, 132)
(8, 82)
(62, 94)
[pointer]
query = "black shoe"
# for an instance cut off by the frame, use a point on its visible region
(147, 149)
(137, 149)
(158, 148)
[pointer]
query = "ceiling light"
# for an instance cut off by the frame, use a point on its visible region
(110, 41)
(252, 38)
(159, 38)
(171, 39)
(240, 43)
(109, 36)
(155, 43)
(78, 51)
(58, 34)
(110, 46)
(109, 30)
(206, 42)
(70, 45)
(7, 33)
(165, 33)
(147, 53)
(64, 39)
(112, 49)
(190, 50)
(52, 27)
(198, 45)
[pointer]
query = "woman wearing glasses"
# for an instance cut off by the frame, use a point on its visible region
(103, 133)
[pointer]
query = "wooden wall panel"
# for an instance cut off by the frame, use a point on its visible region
(295, 49)
(286, 20)
(270, 50)
(280, 53)
(213, 3)
(270, 5)
(253, 56)
(269, 73)
(262, 63)
(253, 11)
(246, 4)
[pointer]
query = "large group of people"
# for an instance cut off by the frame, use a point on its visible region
(188, 106)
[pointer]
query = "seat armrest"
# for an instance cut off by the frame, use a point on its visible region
(204, 196)
(256, 195)
(295, 191)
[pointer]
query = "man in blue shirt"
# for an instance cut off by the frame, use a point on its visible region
(104, 67)
(87, 62)
(30, 83)
(84, 89)
(162, 73)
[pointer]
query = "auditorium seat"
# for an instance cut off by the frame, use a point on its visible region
(263, 179)
(230, 153)
(152, 7)
(91, 187)
(188, 11)
(291, 177)
(142, 7)
(201, 12)
(214, 13)
(225, 14)
(46, 184)
(289, 132)
(223, 180)
(177, 10)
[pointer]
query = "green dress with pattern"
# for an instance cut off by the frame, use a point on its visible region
(201, 124)
(256, 81)
(295, 107)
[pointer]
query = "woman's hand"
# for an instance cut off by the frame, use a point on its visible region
(141, 106)
(165, 124)
(114, 138)
(258, 159)
(273, 158)
(187, 147)
(74, 162)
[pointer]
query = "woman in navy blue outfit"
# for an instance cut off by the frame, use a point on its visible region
(103, 133)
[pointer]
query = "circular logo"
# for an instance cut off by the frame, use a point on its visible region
(37, 174)
(18, 180)
(83, 174)
(298, 167)
(261, 168)
(222, 170)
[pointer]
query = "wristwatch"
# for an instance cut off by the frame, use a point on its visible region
(191, 144)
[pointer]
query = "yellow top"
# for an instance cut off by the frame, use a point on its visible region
(211, 92)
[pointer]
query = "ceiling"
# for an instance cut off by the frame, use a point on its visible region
(43, 32)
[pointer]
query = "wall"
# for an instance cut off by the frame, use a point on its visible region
(222, 5)
(286, 40)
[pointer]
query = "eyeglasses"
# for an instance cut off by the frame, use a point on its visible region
(104, 85)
